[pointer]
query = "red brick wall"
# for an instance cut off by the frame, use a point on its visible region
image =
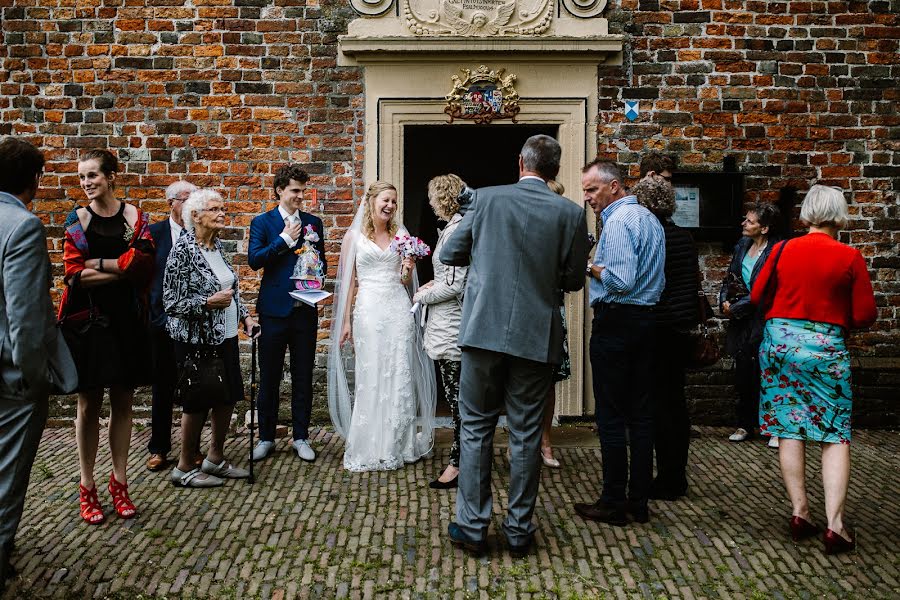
(798, 93)
(219, 93)
(222, 92)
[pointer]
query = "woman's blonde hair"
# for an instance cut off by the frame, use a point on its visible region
(443, 194)
(556, 187)
(368, 224)
(824, 205)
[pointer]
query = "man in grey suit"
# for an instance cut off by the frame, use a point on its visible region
(523, 244)
(33, 358)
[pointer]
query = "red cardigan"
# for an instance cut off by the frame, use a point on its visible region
(819, 279)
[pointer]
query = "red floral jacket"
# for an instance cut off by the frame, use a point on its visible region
(136, 263)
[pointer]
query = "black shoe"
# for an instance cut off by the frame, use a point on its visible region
(602, 512)
(458, 538)
(639, 512)
(519, 550)
(437, 484)
(659, 491)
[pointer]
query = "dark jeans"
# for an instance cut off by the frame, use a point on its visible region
(165, 377)
(746, 380)
(296, 333)
(621, 350)
(671, 423)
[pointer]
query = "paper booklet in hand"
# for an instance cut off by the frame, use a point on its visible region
(309, 272)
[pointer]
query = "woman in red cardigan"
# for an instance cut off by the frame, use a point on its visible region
(812, 291)
(108, 259)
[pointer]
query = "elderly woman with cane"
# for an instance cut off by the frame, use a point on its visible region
(203, 303)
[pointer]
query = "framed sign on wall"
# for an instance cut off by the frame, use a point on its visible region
(710, 205)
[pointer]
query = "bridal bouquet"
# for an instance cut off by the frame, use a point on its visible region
(409, 246)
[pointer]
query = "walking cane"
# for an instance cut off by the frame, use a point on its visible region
(251, 478)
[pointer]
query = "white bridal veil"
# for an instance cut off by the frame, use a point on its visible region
(341, 360)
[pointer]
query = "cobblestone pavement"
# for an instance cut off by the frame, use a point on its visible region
(316, 531)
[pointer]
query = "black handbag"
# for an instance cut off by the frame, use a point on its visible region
(201, 379)
(735, 288)
(90, 337)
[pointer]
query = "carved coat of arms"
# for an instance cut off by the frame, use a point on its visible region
(478, 18)
(483, 95)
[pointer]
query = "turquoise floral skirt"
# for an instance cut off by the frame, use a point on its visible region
(805, 382)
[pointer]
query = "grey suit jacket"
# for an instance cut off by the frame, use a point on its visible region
(34, 359)
(523, 244)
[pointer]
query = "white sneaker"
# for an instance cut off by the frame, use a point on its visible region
(773, 442)
(262, 450)
(739, 435)
(304, 450)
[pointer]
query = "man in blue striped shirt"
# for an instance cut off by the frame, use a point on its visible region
(626, 280)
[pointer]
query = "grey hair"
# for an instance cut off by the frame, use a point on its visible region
(197, 201)
(608, 171)
(179, 187)
(824, 205)
(541, 154)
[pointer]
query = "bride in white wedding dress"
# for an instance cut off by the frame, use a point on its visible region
(387, 418)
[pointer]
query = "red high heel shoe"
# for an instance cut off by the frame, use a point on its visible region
(802, 529)
(836, 544)
(123, 504)
(91, 511)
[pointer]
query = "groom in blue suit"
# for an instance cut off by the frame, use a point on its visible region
(287, 324)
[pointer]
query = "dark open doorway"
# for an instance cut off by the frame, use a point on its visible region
(482, 155)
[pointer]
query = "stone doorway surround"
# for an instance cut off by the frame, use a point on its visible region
(411, 51)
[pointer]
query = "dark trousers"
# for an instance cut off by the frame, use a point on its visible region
(488, 382)
(165, 377)
(22, 421)
(671, 423)
(621, 350)
(296, 333)
(746, 380)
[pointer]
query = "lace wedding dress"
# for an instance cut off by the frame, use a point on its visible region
(382, 434)
(381, 388)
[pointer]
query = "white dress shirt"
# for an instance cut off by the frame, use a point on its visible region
(175, 229)
(292, 218)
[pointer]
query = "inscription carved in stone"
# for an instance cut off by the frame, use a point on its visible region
(480, 18)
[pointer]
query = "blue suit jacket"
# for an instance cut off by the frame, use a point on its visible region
(269, 252)
(162, 239)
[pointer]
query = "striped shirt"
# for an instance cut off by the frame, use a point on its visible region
(632, 247)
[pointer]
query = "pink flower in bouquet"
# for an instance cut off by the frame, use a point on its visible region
(409, 246)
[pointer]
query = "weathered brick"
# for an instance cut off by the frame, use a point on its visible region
(796, 92)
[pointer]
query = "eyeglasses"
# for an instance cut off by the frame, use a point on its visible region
(215, 209)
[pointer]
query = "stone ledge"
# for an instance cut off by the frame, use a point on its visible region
(357, 50)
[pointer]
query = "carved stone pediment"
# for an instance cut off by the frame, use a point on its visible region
(477, 18)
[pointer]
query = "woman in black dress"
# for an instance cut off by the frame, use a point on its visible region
(108, 258)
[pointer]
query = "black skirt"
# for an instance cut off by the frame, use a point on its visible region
(234, 382)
